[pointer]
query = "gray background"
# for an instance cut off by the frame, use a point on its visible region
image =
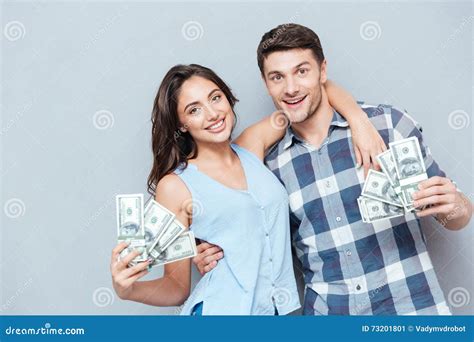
(63, 158)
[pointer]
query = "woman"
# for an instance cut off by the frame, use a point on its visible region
(225, 194)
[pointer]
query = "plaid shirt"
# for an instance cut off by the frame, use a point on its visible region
(351, 267)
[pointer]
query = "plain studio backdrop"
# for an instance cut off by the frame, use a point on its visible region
(78, 83)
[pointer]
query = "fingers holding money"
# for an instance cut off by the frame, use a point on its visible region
(130, 272)
(123, 279)
(435, 190)
(123, 263)
(116, 252)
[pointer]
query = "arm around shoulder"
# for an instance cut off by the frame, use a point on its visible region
(259, 137)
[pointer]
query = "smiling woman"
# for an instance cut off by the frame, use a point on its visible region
(171, 142)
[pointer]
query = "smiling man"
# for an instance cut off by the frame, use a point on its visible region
(350, 267)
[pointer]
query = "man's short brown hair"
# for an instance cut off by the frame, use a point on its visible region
(287, 37)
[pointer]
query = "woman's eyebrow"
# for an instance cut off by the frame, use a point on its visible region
(196, 102)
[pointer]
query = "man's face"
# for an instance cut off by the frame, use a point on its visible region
(294, 80)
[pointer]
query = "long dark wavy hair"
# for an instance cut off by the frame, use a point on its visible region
(171, 147)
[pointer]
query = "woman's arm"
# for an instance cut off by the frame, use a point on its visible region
(259, 137)
(168, 290)
(173, 288)
(366, 139)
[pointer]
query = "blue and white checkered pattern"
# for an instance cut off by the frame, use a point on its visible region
(351, 267)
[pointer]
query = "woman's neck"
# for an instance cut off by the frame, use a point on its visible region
(214, 154)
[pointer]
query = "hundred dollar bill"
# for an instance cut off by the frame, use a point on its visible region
(183, 247)
(385, 160)
(410, 167)
(374, 210)
(130, 225)
(377, 186)
(170, 234)
(363, 214)
(157, 219)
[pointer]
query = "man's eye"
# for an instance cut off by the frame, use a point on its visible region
(216, 98)
(302, 71)
(276, 78)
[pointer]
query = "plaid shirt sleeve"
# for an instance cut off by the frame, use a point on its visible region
(404, 126)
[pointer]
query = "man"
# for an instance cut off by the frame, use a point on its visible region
(349, 267)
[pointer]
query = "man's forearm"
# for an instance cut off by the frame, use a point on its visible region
(459, 217)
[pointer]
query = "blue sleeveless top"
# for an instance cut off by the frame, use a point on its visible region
(252, 227)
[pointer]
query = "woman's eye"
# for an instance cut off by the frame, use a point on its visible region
(195, 110)
(216, 98)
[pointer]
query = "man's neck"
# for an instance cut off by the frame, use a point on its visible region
(315, 129)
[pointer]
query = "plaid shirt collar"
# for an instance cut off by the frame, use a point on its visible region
(292, 137)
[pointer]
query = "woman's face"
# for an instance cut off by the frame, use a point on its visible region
(204, 111)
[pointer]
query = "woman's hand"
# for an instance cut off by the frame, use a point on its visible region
(124, 277)
(367, 143)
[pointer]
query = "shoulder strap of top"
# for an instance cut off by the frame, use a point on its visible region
(243, 152)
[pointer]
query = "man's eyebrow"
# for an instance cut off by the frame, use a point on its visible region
(296, 67)
(273, 72)
(301, 64)
(196, 102)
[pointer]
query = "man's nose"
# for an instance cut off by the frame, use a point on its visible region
(291, 88)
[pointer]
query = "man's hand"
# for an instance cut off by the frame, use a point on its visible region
(208, 255)
(444, 200)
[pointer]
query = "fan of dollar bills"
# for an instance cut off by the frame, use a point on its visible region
(387, 194)
(154, 231)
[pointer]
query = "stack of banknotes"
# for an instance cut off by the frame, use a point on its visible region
(388, 194)
(153, 230)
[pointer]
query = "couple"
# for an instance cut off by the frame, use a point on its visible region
(249, 215)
